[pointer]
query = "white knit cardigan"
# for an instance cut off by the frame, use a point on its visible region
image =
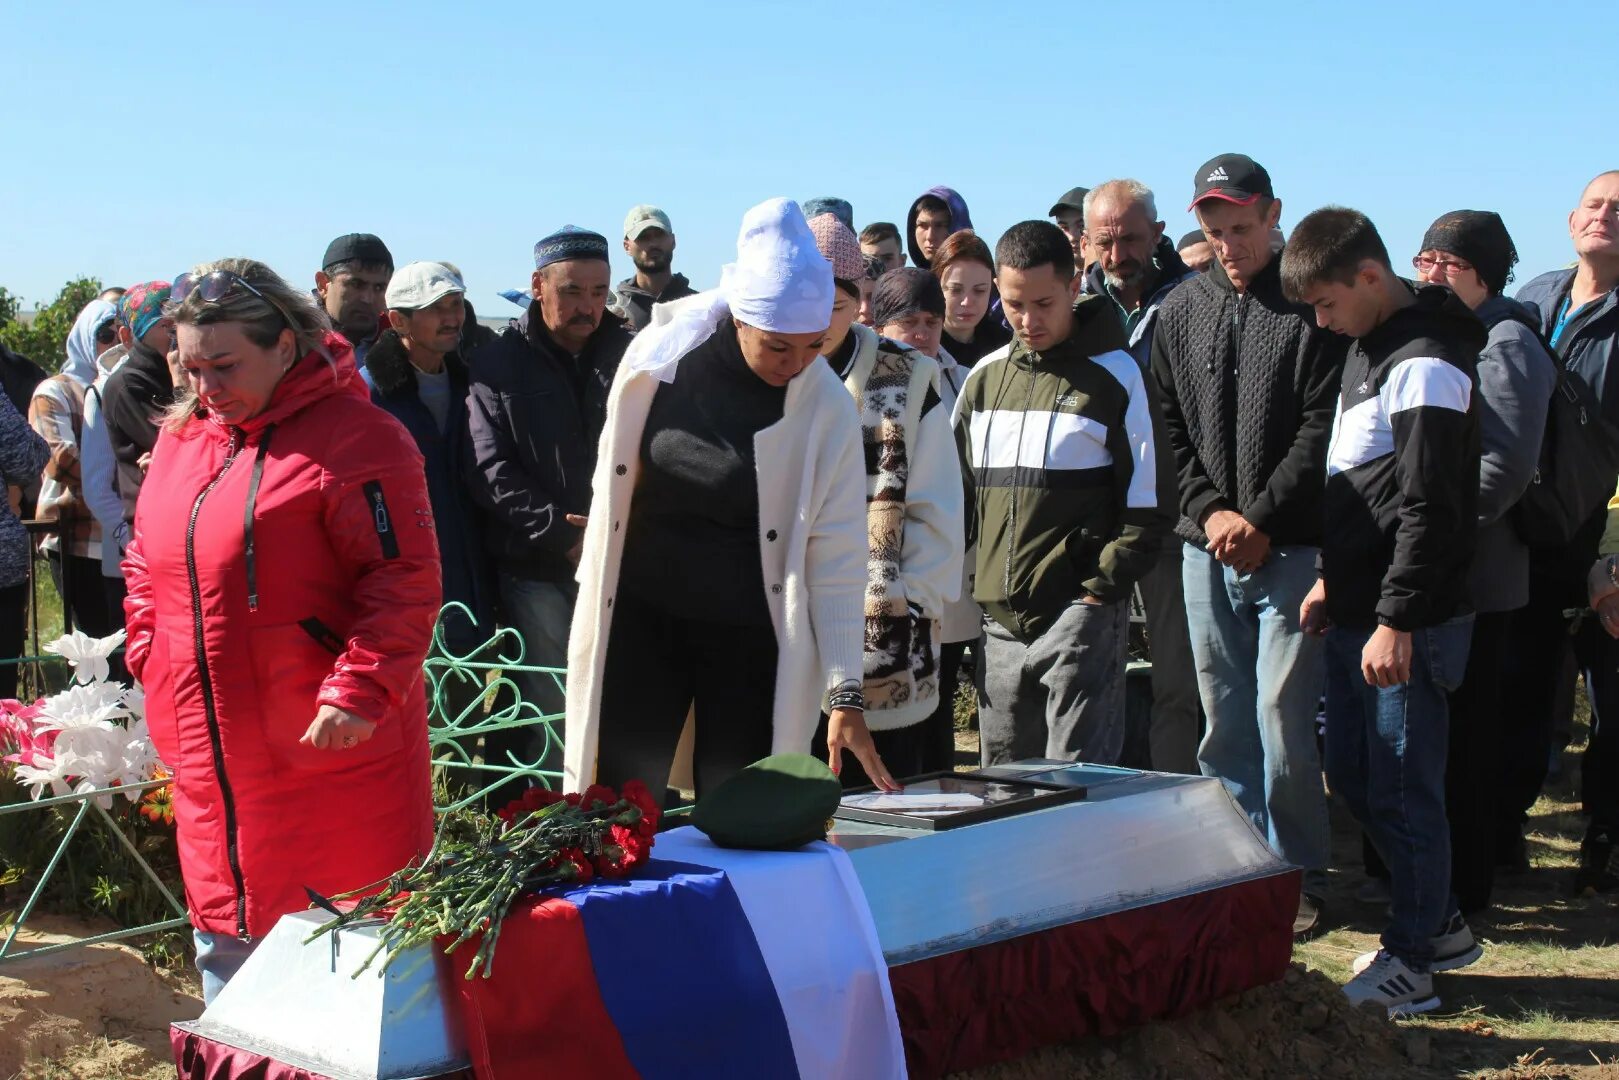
(812, 536)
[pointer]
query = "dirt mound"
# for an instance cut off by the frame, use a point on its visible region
(1301, 1026)
(97, 1011)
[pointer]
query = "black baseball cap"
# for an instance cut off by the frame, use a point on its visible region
(357, 247)
(1235, 178)
(1074, 198)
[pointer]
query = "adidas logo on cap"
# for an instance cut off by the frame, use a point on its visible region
(1218, 175)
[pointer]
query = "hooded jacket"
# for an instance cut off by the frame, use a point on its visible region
(1168, 270)
(278, 566)
(1516, 377)
(1401, 506)
(133, 402)
(633, 304)
(1248, 385)
(1072, 481)
(99, 468)
(536, 415)
(959, 219)
(447, 457)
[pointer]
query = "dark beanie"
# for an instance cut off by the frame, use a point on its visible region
(904, 292)
(1194, 237)
(1480, 237)
(362, 247)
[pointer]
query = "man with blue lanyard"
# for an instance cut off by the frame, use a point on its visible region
(1579, 313)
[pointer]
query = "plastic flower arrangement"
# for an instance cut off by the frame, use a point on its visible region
(89, 737)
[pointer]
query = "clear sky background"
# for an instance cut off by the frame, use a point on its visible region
(140, 140)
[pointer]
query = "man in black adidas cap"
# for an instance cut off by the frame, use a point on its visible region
(1069, 214)
(1249, 387)
(351, 284)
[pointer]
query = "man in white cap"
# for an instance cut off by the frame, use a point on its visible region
(649, 240)
(418, 374)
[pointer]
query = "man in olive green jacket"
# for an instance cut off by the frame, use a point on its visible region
(1072, 494)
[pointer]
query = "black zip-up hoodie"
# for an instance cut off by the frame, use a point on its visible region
(1402, 469)
(1248, 385)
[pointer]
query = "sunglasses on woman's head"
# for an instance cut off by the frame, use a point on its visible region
(214, 286)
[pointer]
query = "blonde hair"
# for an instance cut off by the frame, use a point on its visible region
(281, 307)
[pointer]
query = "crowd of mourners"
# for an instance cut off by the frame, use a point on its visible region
(800, 510)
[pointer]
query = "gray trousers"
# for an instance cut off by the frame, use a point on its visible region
(1060, 696)
(1173, 735)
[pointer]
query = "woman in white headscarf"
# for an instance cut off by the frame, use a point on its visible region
(723, 572)
(57, 414)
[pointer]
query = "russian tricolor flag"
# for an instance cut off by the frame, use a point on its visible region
(709, 962)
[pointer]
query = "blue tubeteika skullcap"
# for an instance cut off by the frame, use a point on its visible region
(569, 242)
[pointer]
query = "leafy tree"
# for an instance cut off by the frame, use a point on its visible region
(44, 341)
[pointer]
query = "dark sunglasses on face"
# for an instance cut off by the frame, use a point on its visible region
(107, 333)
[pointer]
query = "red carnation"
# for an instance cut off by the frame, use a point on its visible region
(534, 798)
(638, 795)
(582, 869)
(598, 793)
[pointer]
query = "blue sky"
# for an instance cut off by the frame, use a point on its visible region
(141, 140)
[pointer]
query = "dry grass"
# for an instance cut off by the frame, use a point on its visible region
(1544, 1000)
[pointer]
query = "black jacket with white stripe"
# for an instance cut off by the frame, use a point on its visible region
(1403, 469)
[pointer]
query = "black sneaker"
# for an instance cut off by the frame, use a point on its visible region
(1599, 864)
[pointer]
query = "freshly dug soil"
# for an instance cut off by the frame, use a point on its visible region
(1301, 1026)
(93, 1013)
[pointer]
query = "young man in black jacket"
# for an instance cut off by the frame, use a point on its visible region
(1401, 519)
(538, 401)
(1248, 386)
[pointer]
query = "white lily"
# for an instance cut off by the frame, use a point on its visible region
(81, 704)
(38, 777)
(89, 656)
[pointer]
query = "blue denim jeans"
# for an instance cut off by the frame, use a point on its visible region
(1386, 758)
(1260, 678)
(219, 956)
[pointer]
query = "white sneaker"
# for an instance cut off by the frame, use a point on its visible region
(1394, 986)
(1453, 947)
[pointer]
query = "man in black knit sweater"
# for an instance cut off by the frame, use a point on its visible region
(1249, 386)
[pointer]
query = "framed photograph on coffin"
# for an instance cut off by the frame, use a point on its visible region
(949, 800)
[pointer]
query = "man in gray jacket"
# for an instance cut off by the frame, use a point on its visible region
(1137, 269)
(1579, 317)
(1471, 252)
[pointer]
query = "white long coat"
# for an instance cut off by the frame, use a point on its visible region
(812, 536)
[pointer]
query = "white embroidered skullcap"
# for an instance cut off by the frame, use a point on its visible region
(780, 281)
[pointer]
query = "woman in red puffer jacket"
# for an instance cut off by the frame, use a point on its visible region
(283, 587)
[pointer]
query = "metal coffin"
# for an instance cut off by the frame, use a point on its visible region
(301, 1005)
(1137, 839)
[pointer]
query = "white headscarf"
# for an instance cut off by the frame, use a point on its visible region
(780, 282)
(81, 341)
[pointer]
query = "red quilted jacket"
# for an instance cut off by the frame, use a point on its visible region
(276, 567)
